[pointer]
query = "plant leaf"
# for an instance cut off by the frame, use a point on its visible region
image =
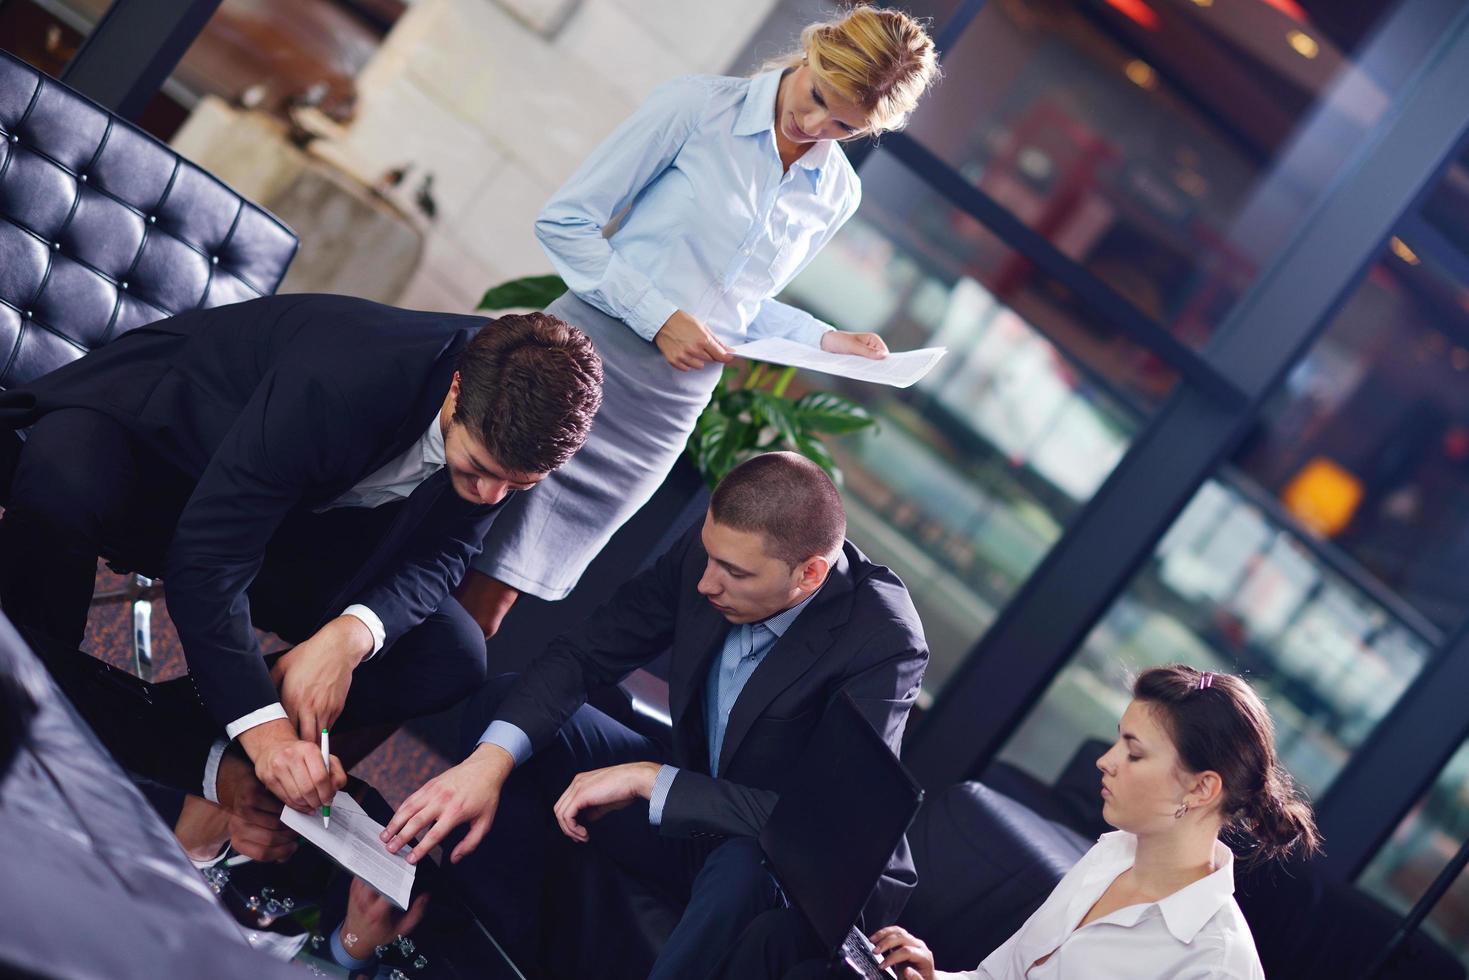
(741, 421)
(532, 292)
(825, 411)
(812, 449)
(779, 414)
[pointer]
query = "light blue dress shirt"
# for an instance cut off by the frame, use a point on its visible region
(716, 227)
(745, 647)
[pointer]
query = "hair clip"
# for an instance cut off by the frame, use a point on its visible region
(1206, 680)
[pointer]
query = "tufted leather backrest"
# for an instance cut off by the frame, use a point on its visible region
(104, 229)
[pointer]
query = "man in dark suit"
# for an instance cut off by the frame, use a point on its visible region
(768, 612)
(318, 466)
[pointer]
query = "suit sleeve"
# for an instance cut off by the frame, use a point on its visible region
(623, 634)
(284, 443)
(423, 575)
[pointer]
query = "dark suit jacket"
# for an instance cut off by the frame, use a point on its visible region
(861, 634)
(273, 405)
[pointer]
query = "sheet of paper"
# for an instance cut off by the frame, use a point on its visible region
(899, 369)
(352, 842)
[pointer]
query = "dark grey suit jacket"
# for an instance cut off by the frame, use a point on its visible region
(860, 634)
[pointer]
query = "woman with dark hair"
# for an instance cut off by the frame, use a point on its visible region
(1194, 759)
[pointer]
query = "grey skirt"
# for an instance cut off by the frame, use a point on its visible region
(544, 539)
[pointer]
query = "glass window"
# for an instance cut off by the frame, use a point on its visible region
(975, 470)
(1424, 842)
(1367, 441)
(1229, 588)
(1167, 148)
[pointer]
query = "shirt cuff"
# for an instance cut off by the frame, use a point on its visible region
(662, 783)
(647, 317)
(810, 331)
(257, 717)
(342, 958)
(509, 737)
(372, 622)
(211, 769)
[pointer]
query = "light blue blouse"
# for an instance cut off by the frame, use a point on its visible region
(715, 227)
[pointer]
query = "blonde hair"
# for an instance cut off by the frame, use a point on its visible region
(880, 59)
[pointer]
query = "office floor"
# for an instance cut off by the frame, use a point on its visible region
(402, 764)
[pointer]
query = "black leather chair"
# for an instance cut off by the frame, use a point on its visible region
(104, 229)
(985, 863)
(94, 885)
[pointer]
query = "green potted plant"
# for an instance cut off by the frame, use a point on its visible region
(749, 412)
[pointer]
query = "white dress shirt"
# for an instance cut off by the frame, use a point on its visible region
(717, 226)
(395, 480)
(1197, 933)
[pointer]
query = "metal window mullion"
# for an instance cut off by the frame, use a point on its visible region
(1387, 776)
(1100, 298)
(133, 49)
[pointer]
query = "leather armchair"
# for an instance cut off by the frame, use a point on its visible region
(104, 229)
(985, 863)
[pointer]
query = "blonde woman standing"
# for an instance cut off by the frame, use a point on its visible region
(729, 186)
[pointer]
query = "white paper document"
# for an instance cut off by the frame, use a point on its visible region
(352, 842)
(899, 369)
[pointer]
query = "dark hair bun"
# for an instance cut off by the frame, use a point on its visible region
(1218, 723)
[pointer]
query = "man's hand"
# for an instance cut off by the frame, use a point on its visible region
(897, 945)
(689, 345)
(314, 677)
(467, 793)
(255, 825)
(862, 344)
(373, 921)
(594, 794)
(290, 768)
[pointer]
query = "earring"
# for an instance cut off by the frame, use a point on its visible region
(1182, 809)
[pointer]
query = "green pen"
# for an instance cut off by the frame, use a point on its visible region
(326, 760)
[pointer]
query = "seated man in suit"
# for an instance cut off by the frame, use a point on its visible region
(768, 612)
(318, 466)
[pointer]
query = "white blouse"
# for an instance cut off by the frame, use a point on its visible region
(1197, 933)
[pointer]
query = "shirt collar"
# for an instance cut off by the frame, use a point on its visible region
(1187, 910)
(781, 621)
(433, 443)
(758, 113)
(758, 116)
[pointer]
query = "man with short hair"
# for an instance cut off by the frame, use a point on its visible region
(321, 467)
(769, 613)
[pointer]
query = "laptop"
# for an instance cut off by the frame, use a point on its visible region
(835, 827)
